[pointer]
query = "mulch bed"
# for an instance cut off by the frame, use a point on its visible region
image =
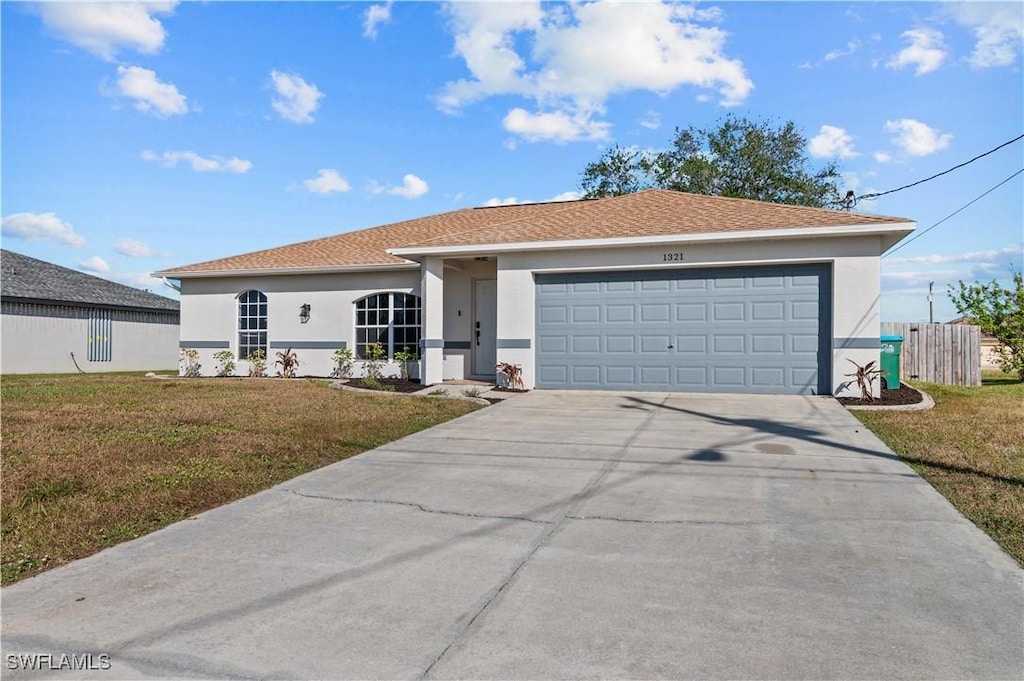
(889, 398)
(399, 385)
(510, 390)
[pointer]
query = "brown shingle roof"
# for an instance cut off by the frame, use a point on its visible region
(654, 212)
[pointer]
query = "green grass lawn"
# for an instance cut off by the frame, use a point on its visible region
(93, 460)
(970, 447)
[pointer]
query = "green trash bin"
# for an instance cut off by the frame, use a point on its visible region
(890, 362)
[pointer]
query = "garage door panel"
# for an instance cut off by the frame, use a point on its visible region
(728, 312)
(585, 374)
(620, 313)
(654, 313)
(728, 377)
(586, 344)
(553, 314)
(691, 344)
(691, 312)
(692, 378)
(756, 329)
(658, 376)
(762, 344)
(723, 344)
(553, 345)
(620, 344)
(620, 375)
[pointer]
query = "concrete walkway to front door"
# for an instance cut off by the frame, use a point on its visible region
(559, 535)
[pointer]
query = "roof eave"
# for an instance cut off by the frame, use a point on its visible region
(283, 271)
(891, 233)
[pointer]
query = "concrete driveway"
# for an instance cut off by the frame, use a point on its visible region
(559, 535)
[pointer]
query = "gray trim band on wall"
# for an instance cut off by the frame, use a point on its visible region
(457, 345)
(432, 343)
(309, 345)
(856, 343)
(203, 345)
(513, 343)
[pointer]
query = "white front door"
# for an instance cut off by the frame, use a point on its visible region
(485, 327)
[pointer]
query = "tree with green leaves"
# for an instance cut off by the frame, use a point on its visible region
(740, 158)
(1000, 313)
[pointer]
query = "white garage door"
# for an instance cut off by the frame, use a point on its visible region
(739, 329)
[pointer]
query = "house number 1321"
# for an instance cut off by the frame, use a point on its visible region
(671, 257)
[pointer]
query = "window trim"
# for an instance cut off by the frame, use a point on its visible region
(391, 348)
(264, 300)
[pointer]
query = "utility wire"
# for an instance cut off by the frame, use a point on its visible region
(966, 205)
(944, 172)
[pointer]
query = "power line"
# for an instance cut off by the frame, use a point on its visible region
(966, 205)
(944, 172)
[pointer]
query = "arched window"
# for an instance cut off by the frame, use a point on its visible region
(252, 323)
(391, 319)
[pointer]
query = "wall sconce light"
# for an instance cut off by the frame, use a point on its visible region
(304, 313)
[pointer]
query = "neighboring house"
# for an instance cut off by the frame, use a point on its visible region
(989, 344)
(657, 290)
(57, 320)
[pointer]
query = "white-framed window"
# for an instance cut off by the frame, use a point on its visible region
(252, 323)
(391, 319)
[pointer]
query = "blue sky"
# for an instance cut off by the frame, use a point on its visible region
(145, 136)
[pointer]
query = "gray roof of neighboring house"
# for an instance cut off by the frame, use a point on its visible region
(22, 277)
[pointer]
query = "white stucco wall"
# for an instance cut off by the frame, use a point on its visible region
(209, 314)
(856, 287)
(32, 344)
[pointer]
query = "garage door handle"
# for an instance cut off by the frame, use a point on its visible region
(670, 347)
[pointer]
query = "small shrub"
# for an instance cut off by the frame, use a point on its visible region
(513, 374)
(439, 392)
(225, 362)
(257, 363)
(404, 358)
(288, 362)
(865, 376)
(372, 383)
(374, 360)
(342, 363)
(189, 359)
(471, 392)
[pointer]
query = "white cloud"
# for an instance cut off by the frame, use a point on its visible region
(926, 51)
(579, 55)
(296, 99)
(651, 120)
(214, 164)
(40, 227)
(566, 196)
(555, 126)
(830, 142)
(103, 28)
(513, 201)
(133, 248)
(94, 264)
(998, 28)
(150, 95)
(977, 257)
(851, 47)
(412, 187)
(882, 157)
(508, 201)
(327, 181)
(915, 138)
(374, 16)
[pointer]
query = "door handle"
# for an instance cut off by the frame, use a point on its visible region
(478, 336)
(670, 347)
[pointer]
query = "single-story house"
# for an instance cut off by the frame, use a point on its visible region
(989, 344)
(58, 320)
(657, 290)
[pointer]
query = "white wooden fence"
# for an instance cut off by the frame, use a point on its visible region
(938, 353)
